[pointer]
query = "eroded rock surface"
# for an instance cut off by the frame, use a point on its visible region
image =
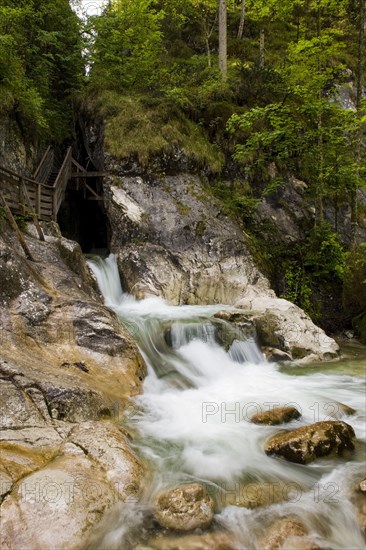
(184, 508)
(66, 364)
(310, 442)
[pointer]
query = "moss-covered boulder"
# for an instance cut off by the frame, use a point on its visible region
(305, 444)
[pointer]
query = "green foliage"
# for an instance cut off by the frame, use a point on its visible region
(40, 64)
(141, 127)
(325, 257)
(354, 288)
(128, 45)
(298, 288)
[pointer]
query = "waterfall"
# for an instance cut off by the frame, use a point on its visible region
(193, 420)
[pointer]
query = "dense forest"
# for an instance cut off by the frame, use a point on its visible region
(254, 92)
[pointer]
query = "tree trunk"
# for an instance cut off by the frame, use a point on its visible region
(223, 39)
(208, 50)
(319, 213)
(360, 67)
(242, 20)
(360, 56)
(261, 48)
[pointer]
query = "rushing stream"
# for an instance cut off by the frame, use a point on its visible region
(205, 380)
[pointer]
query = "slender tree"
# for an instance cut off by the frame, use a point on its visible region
(242, 20)
(223, 39)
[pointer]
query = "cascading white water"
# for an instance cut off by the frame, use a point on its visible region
(192, 420)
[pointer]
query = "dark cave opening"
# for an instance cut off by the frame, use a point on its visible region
(82, 216)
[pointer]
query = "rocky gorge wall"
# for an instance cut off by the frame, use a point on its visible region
(173, 240)
(67, 371)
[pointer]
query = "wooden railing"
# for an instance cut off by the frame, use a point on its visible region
(45, 166)
(40, 195)
(59, 187)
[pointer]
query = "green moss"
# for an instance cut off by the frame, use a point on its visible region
(359, 324)
(200, 228)
(183, 208)
(148, 127)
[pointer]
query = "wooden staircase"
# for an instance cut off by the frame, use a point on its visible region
(41, 196)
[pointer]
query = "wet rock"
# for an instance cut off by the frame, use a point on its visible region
(280, 532)
(310, 442)
(274, 355)
(55, 507)
(294, 542)
(206, 541)
(338, 410)
(358, 498)
(255, 495)
(184, 508)
(95, 329)
(109, 447)
(278, 415)
(244, 323)
(363, 485)
(55, 490)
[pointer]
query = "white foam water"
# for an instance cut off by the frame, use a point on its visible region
(193, 421)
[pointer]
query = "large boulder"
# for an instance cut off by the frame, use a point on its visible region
(184, 508)
(283, 325)
(305, 444)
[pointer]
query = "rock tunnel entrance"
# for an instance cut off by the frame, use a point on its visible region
(82, 216)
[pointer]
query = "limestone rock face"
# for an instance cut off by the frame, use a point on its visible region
(305, 444)
(184, 508)
(66, 364)
(278, 415)
(172, 240)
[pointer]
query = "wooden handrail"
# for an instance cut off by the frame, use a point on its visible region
(61, 182)
(42, 162)
(66, 164)
(36, 197)
(25, 178)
